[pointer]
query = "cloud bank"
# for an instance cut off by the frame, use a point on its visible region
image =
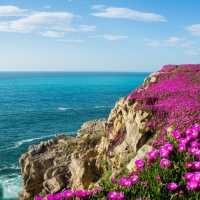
(113, 12)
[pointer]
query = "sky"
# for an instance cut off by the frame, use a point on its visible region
(98, 35)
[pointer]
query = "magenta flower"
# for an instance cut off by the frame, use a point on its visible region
(158, 177)
(188, 175)
(194, 143)
(182, 140)
(80, 193)
(164, 162)
(194, 133)
(68, 194)
(113, 180)
(139, 163)
(39, 198)
(181, 192)
(197, 153)
(172, 186)
(152, 154)
(188, 138)
(88, 193)
(143, 183)
(96, 190)
(176, 134)
(192, 150)
(125, 182)
(196, 177)
(168, 146)
(112, 195)
(134, 178)
(164, 153)
(58, 196)
(181, 147)
(192, 185)
(188, 165)
(196, 165)
(120, 196)
(49, 197)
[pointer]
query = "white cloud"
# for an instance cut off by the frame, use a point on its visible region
(97, 7)
(12, 11)
(172, 41)
(113, 37)
(126, 13)
(52, 34)
(71, 40)
(191, 52)
(46, 7)
(40, 20)
(86, 28)
(194, 29)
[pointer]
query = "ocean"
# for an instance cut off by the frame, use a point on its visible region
(34, 106)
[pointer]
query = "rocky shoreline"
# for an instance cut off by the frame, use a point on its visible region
(102, 149)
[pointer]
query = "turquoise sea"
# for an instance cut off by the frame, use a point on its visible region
(36, 105)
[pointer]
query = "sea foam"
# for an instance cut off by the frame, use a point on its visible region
(10, 186)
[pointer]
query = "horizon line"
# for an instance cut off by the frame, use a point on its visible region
(85, 71)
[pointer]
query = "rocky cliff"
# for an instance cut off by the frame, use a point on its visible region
(107, 148)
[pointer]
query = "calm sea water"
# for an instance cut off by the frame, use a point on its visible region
(34, 106)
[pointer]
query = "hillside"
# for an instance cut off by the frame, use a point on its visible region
(106, 149)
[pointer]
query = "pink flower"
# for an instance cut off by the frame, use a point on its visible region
(39, 198)
(172, 186)
(181, 192)
(164, 162)
(152, 154)
(113, 180)
(125, 182)
(49, 197)
(197, 153)
(192, 185)
(120, 196)
(80, 193)
(182, 141)
(163, 152)
(196, 165)
(168, 146)
(176, 134)
(196, 177)
(139, 163)
(158, 177)
(188, 165)
(188, 175)
(134, 178)
(192, 150)
(181, 147)
(58, 196)
(112, 195)
(194, 143)
(194, 133)
(68, 194)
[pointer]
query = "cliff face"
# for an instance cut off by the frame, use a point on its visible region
(107, 148)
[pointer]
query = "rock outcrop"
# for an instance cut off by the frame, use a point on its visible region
(103, 148)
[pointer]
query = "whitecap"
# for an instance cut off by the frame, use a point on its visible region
(10, 185)
(65, 109)
(15, 167)
(17, 144)
(102, 106)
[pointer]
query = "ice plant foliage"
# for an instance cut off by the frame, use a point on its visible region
(175, 177)
(172, 100)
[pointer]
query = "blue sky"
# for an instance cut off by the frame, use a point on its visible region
(98, 35)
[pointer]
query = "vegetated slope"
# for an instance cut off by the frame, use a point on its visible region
(168, 100)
